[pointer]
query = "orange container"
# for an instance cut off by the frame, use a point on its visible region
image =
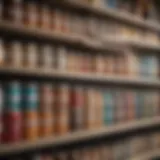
(90, 109)
(31, 126)
(61, 122)
(46, 124)
(98, 108)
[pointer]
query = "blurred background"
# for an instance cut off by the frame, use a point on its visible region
(79, 80)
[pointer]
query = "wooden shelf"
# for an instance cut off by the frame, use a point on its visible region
(148, 155)
(86, 77)
(111, 13)
(77, 136)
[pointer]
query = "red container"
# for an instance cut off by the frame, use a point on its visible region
(12, 131)
(76, 110)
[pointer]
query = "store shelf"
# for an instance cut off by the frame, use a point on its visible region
(77, 136)
(111, 13)
(148, 156)
(88, 77)
(15, 30)
(112, 45)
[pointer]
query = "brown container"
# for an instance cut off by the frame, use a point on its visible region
(89, 109)
(46, 57)
(15, 54)
(30, 125)
(45, 17)
(2, 53)
(46, 124)
(15, 11)
(31, 55)
(99, 108)
(31, 17)
(46, 97)
(76, 108)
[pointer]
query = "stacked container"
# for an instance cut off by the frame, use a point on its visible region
(12, 115)
(76, 108)
(30, 111)
(46, 111)
(61, 110)
(108, 114)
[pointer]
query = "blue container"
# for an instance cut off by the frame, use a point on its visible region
(13, 96)
(108, 114)
(30, 97)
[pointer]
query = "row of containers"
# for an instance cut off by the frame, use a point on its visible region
(31, 110)
(50, 56)
(35, 15)
(142, 8)
(124, 149)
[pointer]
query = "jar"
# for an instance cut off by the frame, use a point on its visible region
(30, 96)
(30, 125)
(46, 123)
(61, 109)
(46, 96)
(2, 53)
(65, 22)
(99, 64)
(45, 17)
(90, 109)
(15, 11)
(13, 96)
(46, 57)
(15, 54)
(56, 21)
(12, 127)
(109, 67)
(76, 110)
(31, 14)
(61, 58)
(31, 55)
